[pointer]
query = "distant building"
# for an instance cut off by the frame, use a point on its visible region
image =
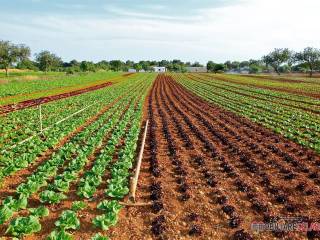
(197, 69)
(142, 70)
(159, 69)
(132, 70)
(244, 70)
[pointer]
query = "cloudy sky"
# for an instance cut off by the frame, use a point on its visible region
(191, 30)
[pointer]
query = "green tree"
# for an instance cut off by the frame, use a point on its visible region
(27, 64)
(116, 65)
(163, 63)
(254, 68)
(137, 67)
(276, 58)
(235, 65)
(284, 68)
(219, 68)
(228, 65)
(11, 54)
(48, 61)
(86, 66)
(210, 66)
(146, 65)
(129, 64)
(74, 63)
(104, 65)
(310, 57)
(196, 64)
(244, 64)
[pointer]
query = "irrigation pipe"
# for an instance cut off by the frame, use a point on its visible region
(48, 128)
(134, 180)
(132, 204)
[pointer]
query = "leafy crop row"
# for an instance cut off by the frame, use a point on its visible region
(297, 125)
(121, 120)
(17, 91)
(21, 156)
(49, 169)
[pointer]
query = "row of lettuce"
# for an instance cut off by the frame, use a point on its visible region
(19, 125)
(291, 119)
(16, 126)
(283, 83)
(281, 98)
(30, 87)
(110, 143)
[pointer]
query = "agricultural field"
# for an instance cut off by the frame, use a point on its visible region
(297, 85)
(220, 153)
(35, 85)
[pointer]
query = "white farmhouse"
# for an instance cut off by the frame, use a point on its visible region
(159, 69)
(132, 70)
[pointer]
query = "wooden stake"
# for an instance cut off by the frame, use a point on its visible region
(134, 180)
(132, 204)
(40, 116)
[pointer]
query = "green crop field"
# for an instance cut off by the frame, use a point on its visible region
(66, 169)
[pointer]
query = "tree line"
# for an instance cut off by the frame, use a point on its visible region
(18, 56)
(280, 60)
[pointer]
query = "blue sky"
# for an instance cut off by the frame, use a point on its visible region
(193, 30)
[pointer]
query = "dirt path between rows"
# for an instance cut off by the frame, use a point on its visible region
(211, 173)
(282, 79)
(237, 89)
(35, 102)
(280, 89)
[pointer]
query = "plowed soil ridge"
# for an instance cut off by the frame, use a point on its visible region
(233, 171)
(35, 102)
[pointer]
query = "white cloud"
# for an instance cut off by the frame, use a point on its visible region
(142, 15)
(241, 31)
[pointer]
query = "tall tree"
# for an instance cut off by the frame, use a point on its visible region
(104, 65)
(196, 64)
(27, 64)
(276, 58)
(235, 65)
(129, 64)
(74, 63)
(310, 57)
(116, 65)
(86, 66)
(11, 54)
(220, 67)
(164, 63)
(228, 65)
(137, 67)
(48, 61)
(244, 64)
(145, 65)
(210, 66)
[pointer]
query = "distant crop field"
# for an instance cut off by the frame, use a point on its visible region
(299, 86)
(219, 154)
(27, 87)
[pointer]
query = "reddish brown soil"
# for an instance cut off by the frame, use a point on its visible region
(10, 183)
(287, 90)
(127, 74)
(85, 216)
(283, 78)
(217, 172)
(281, 101)
(209, 174)
(42, 100)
